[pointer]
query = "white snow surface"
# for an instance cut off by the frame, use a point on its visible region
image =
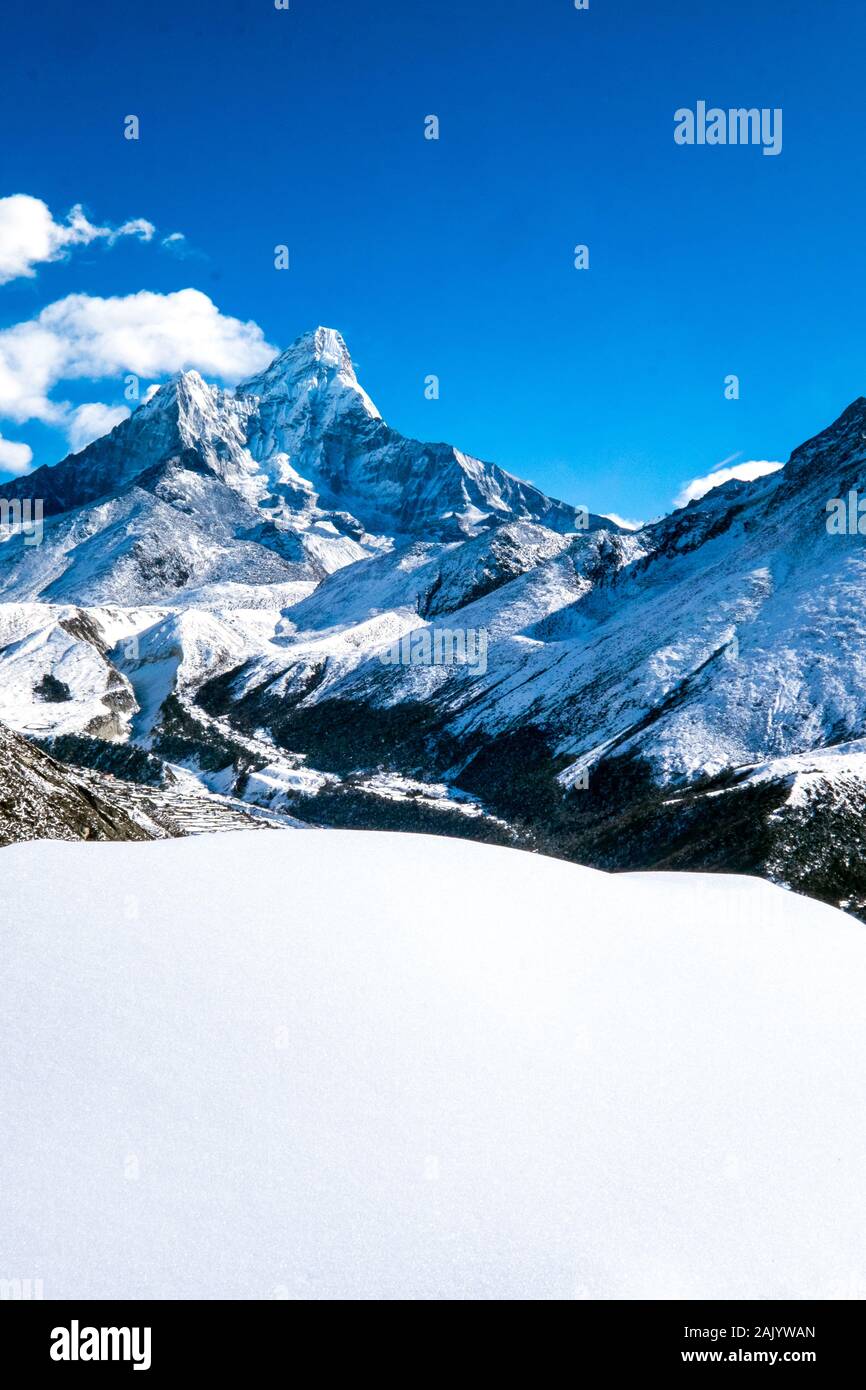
(339, 1064)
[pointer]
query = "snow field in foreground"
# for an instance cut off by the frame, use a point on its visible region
(337, 1064)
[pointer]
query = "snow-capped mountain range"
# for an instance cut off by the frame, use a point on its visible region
(287, 479)
(239, 594)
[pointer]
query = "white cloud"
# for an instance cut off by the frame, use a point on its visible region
(623, 521)
(744, 472)
(148, 334)
(29, 236)
(14, 458)
(92, 421)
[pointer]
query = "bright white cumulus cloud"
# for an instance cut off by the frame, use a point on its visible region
(147, 334)
(745, 472)
(14, 458)
(29, 235)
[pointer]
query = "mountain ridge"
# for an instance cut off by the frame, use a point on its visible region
(255, 435)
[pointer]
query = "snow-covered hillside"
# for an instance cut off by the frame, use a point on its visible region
(341, 1065)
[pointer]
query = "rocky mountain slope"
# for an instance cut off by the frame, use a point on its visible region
(40, 799)
(44, 798)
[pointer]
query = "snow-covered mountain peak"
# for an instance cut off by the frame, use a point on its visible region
(318, 361)
(182, 385)
(326, 345)
(320, 348)
(198, 413)
(183, 392)
(289, 476)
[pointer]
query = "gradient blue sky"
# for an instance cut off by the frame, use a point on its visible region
(455, 257)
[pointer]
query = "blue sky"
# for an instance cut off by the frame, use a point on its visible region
(455, 257)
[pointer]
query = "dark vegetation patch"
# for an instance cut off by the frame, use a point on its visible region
(123, 760)
(820, 850)
(180, 737)
(351, 808)
(52, 690)
(339, 736)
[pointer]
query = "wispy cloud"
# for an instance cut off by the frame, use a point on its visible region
(29, 235)
(179, 246)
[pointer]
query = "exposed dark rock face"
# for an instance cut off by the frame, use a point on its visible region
(40, 799)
